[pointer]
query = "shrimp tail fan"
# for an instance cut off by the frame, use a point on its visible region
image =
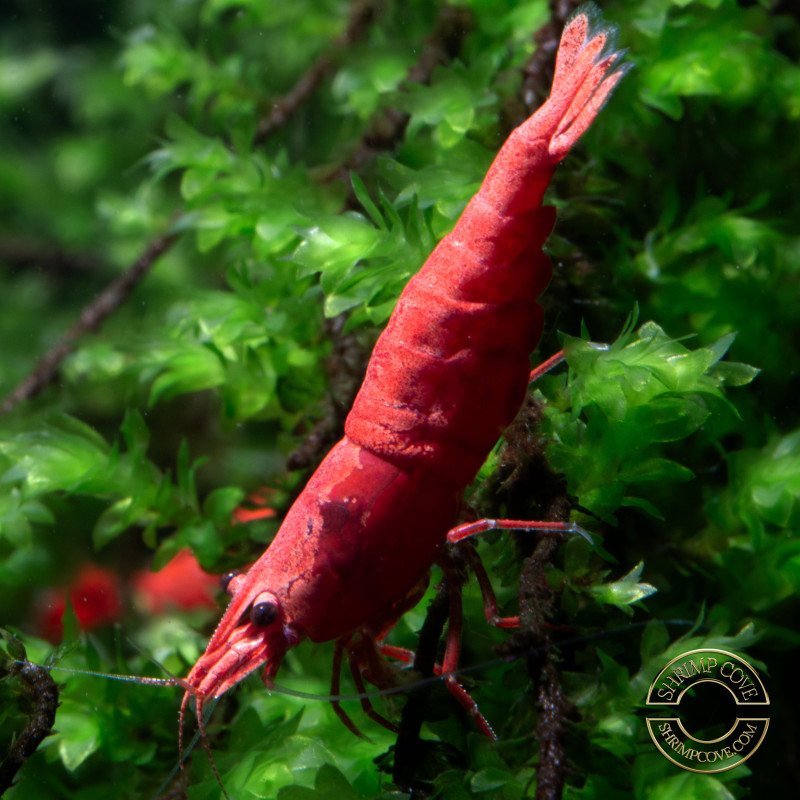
(588, 68)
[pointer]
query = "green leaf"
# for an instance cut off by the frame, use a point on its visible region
(14, 645)
(20, 75)
(220, 503)
(366, 201)
(61, 454)
(625, 591)
(114, 520)
(489, 780)
(331, 783)
(656, 469)
(184, 370)
(644, 505)
(203, 539)
(78, 737)
(690, 786)
(134, 431)
(732, 373)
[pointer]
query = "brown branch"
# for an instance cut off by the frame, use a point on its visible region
(536, 607)
(43, 694)
(20, 253)
(408, 750)
(550, 732)
(92, 317)
(345, 368)
(523, 466)
(538, 72)
(361, 15)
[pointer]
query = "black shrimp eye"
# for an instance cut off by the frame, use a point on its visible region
(225, 580)
(263, 614)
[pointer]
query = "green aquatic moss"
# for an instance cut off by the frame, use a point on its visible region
(676, 445)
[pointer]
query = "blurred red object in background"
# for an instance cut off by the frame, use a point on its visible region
(95, 595)
(260, 499)
(181, 584)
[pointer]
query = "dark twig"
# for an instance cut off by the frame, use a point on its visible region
(361, 14)
(523, 465)
(92, 317)
(20, 253)
(325, 432)
(538, 72)
(345, 368)
(408, 749)
(43, 692)
(536, 607)
(550, 732)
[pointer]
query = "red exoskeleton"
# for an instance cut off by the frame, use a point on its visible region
(447, 375)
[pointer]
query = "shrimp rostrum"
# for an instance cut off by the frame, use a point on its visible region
(447, 375)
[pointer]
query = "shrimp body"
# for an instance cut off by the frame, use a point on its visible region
(447, 375)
